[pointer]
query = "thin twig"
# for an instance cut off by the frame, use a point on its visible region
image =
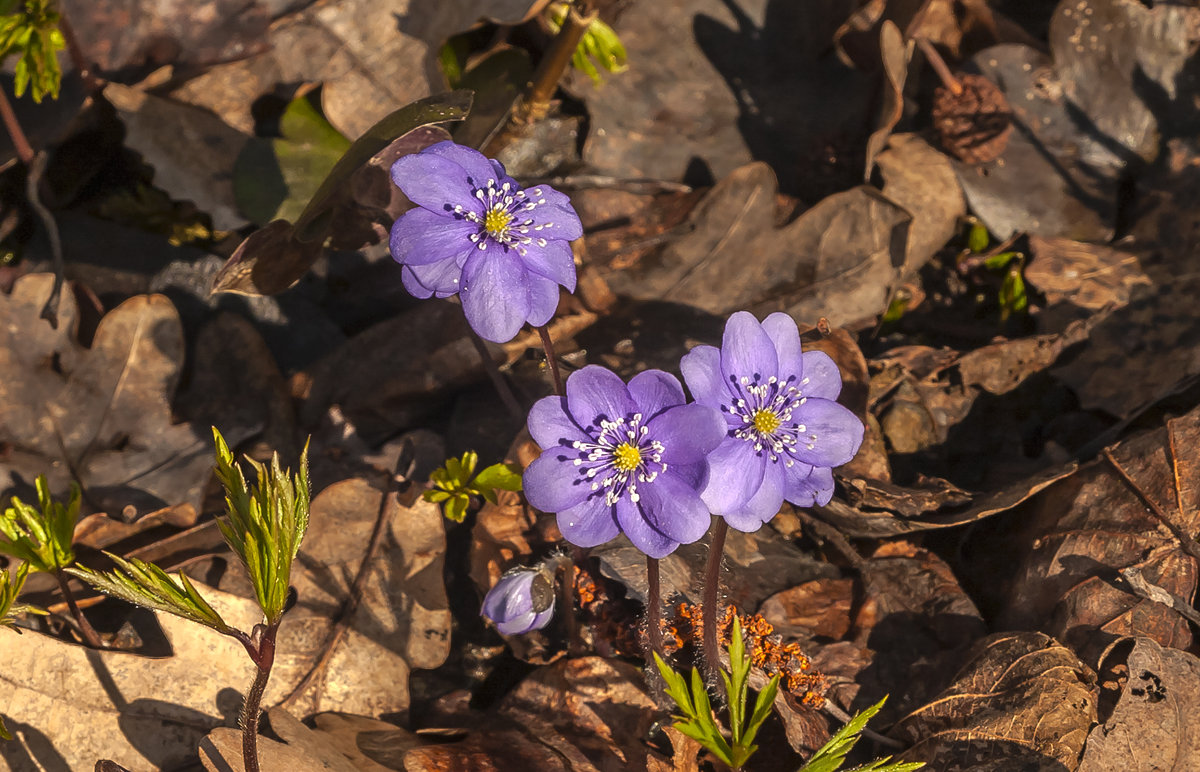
(32, 186)
(354, 595)
(75, 51)
(552, 360)
(15, 132)
(85, 627)
(1142, 587)
(502, 388)
(939, 66)
(1185, 540)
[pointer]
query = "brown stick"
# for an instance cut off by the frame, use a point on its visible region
(939, 66)
(251, 708)
(85, 627)
(502, 388)
(19, 140)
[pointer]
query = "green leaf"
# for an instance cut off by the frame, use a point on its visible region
(145, 584)
(264, 524)
(439, 108)
(832, 754)
(762, 709)
(456, 508)
(434, 495)
(1013, 298)
(10, 587)
(276, 178)
(977, 237)
(42, 537)
(599, 43)
(505, 477)
(30, 30)
(1000, 261)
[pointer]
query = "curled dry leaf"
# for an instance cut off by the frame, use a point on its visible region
(302, 748)
(1154, 725)
(1023, 701)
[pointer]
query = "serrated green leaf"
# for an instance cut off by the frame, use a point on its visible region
(762, 709)
(831, 755)
(264, 524)
(30, 30)
(145, 584)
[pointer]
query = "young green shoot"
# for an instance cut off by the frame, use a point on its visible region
(42, 537)
(696, 719)
(264, 526)
(30, 29)
(453, 485)
(832, 755)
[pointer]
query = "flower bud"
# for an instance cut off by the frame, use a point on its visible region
(523, 600)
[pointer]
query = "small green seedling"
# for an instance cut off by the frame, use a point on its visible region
(264, 525)
(10, 588)
(453, 485)
(697, 720)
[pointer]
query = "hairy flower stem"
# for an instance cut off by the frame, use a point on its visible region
(19, 140)
(502, 388)
(939, 66)
(712, 590)
(263, 661)
(85, 628)
(566, 600)
(552, 360)
(654, 609)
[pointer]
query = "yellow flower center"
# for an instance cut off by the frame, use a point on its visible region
(626, 457)
(765, 421)
(496, 221)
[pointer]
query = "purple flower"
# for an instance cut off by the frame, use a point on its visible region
(523, 600)
(620, 458)
(477, 234)
(785, 432)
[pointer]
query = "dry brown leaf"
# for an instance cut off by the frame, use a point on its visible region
(1155, 725)
(1023, 701)
(372, 56)
(839, 259)
(1082, 531)
(100, 415)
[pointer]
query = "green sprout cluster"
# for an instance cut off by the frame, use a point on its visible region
(453, 486)
(831, 755)
(29, 28)
(41, 536)
(600, 44)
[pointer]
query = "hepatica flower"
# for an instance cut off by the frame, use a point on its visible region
(784, 431)
(476, 233)
(523, 600)
(620, 458)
